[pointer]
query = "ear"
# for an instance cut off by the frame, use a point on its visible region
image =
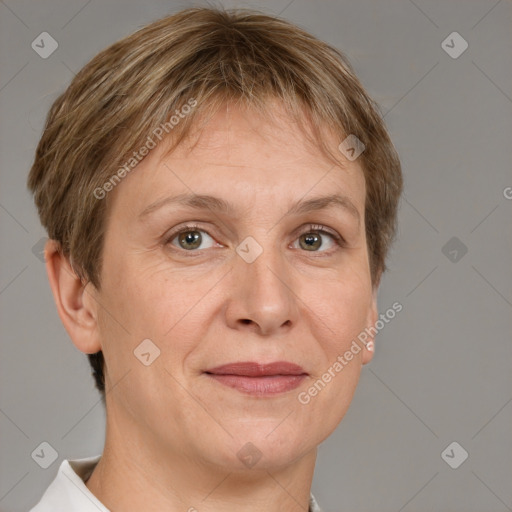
(371, 319)
(76, 306)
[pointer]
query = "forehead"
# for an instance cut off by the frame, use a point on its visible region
(240, 153)
(238, 134)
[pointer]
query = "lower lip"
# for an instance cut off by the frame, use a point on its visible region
(260, 386)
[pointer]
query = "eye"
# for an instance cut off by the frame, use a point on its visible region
(189, 238)
(313, 239)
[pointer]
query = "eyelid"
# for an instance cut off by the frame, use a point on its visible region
(322, 229)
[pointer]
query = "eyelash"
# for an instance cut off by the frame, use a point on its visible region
(317, 228)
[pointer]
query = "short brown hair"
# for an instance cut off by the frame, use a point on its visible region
(133, 87)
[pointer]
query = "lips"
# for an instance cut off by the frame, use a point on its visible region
(259, 378)
(251, 369)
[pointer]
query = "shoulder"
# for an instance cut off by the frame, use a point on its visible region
(68, 490)
(313, 505)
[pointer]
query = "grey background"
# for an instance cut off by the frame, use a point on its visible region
(442, 368)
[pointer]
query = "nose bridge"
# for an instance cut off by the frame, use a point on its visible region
(262, 284)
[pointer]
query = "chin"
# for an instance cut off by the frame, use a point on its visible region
(264, 449)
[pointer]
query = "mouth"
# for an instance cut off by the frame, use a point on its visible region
(259, 379)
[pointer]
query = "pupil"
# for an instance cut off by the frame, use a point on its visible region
(189, 238)
(311, 239)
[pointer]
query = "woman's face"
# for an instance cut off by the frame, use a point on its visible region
(252, 283)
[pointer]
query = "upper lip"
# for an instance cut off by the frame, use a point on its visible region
(254, 369)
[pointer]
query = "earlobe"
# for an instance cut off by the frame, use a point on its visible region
(75, 305)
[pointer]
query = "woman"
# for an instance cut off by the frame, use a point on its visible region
(220, 194)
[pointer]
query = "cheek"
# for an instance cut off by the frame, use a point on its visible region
(143, 309)
(145, 298)
(342, 307)
(340, 310)
(148, 299)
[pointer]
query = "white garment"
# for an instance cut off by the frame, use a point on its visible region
(68, 490)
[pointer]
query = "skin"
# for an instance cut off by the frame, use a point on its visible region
(173, 433)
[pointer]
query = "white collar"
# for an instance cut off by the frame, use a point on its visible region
(69, 492)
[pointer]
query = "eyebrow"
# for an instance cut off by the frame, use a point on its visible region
(207, 202)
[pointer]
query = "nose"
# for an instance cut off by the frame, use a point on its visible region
(261, 297)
